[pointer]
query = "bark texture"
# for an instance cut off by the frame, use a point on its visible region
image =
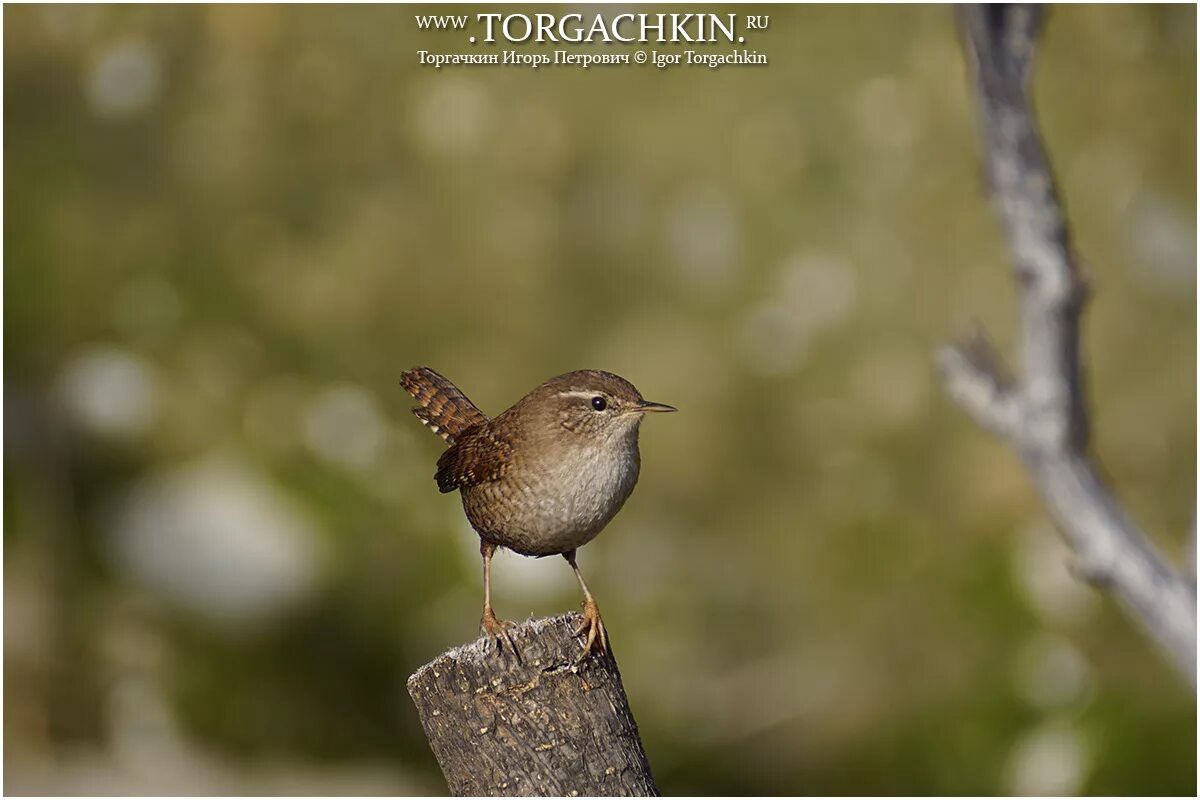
(539, 724)
(1042, 411)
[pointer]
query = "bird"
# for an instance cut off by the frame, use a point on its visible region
(542, 478)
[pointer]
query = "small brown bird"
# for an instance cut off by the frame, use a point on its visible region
(544, 477)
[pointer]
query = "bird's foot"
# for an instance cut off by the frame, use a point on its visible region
(497, 630)
(593, 626)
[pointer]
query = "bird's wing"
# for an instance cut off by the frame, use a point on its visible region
(478, 455)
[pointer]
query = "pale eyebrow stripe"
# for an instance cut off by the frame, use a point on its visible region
(584, 395)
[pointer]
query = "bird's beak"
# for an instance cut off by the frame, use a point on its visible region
(646, 405)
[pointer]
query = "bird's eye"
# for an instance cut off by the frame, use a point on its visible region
(599, 403)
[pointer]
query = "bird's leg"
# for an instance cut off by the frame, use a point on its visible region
(489, 625)
(592, 624)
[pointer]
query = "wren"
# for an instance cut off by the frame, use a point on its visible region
(544, 477)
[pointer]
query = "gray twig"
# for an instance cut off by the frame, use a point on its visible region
(1042, 413)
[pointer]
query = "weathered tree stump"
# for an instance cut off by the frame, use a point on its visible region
(539, 724)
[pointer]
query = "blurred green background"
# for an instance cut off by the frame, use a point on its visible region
(228, 230)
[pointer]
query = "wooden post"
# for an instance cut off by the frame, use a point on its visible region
(539, 724)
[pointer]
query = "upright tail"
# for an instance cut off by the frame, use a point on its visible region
(445, 409)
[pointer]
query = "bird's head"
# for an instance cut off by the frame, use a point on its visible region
(591, 403)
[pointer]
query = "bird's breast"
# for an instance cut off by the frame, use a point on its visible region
(557, 500)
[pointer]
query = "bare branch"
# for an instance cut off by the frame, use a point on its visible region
(1043, 415)
(975, 378)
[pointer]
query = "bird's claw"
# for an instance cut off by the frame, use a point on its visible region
(498, 630)
(593, 626)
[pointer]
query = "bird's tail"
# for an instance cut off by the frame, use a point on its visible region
(444, 408)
